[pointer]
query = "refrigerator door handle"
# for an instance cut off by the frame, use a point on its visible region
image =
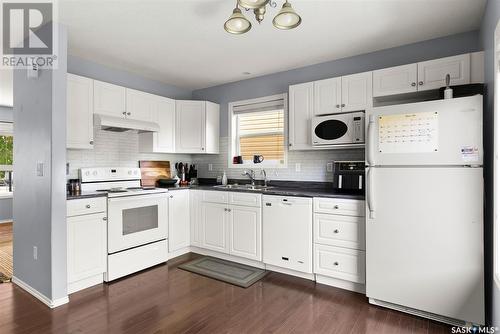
(369, 195)
(369, 140)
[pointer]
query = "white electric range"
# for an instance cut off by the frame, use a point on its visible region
(137, 219)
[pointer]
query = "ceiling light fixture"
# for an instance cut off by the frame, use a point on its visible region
(238, 24)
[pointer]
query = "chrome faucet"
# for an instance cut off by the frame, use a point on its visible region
(251, 176)
(263, 172)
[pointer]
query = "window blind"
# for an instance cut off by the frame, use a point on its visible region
(258, 107)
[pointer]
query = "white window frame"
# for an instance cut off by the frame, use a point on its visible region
(233, 138)
(496, 171)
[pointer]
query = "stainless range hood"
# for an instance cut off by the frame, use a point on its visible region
(119, 124)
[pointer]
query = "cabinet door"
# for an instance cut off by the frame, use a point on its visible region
(357, 92)
(432, 73)
(178, 220)
(327, 96)
(212, 128)
(165, 117)
(195, 216)
(79, 112)
(300, 112)
(140, 105)
(109, 99)
(395, 80)
(87, 247)
(214, 221)
(245, 228)
(190, 129)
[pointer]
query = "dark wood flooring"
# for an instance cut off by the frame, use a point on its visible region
(166, 299)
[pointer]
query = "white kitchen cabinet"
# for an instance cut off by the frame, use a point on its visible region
(215, 227)
(287, 232)
(341, 263)
(86, 243)
(79, 112)
(395, 80)
(109, 99)
(327, 96)
(162, 141)
(300, 112)
(245, 226)
(197, 127)
(178, 220)
(357, 92)
(140, 105)
(195, 216)
(432, 73)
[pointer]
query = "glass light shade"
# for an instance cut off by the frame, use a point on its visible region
(252, 4)
(287, 18)
(237, 23)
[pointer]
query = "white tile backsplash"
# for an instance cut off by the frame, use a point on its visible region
(312, 164)
(115, 149)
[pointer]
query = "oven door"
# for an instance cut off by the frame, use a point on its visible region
(136, 220)
(332, 130)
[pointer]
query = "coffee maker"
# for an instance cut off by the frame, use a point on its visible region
(349, 176)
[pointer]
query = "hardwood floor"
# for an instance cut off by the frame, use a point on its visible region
(6, 252)
(166, 299)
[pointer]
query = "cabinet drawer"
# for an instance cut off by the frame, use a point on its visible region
(342, 231)
(342, 263)
(339, 206)
(215, 197)
(245, 199)
(85, 206)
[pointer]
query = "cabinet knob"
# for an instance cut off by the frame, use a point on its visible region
(413, 84)
(420, 83)
(225, 209)
(87, 206)
(337, 106)
(335, 263)
(105, 218)
(124, 113)
(171, 196)
(336, 231)
(203, 149)
(290, 144)
(343, 105)
(229, 210)
(336, 207)
(91, 142)
(129, 113)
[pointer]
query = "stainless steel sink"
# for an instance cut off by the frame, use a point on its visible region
(243, 187)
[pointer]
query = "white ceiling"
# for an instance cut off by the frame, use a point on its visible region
(183, 42)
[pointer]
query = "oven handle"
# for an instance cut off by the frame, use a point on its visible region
(136, 197)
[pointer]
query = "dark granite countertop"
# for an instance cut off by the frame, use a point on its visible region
(89, 194)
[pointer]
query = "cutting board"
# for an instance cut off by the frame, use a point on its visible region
(151, 171)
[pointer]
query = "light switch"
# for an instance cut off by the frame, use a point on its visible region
(329, 167)
(297, 167)
(210, 167)
(39, 168)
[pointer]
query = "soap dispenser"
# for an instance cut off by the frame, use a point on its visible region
(448, 92)
(224, 179)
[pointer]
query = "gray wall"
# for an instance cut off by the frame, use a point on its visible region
(278, 82)
(40, 201)
(487, 32)
(97, 71)
(5, 209)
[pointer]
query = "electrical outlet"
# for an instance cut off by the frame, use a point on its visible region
(297, 167)
(35, 253)
(329, 167)
(210, 167)
(39, 168)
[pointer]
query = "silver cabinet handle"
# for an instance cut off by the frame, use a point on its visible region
(337, 106)
(343, 105)
(420, 83)
(87, 206)
(290, 144)
(124, 113)
(336, 231)
(336, 207)
(171, 196)
(413, 84)
(335, 263)
(225, 209)
(229, 210)
(91, 142)
(129, 113)
(105, 218)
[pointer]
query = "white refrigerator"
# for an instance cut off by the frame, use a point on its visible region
(424, 209)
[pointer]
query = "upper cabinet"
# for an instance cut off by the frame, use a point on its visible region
(300, 112)
(327, 96)
(79, 112)
(109, 99)
(422, 76)
(139, 105)
(163, 141)
(357, 92)
(197, 129)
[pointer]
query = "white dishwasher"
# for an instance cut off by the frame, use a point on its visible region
(287, 232)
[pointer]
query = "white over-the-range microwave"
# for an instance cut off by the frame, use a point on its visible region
(338, 129)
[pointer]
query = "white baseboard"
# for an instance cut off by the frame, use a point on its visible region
(290, 272)
(340, 283)
(179, 252)
(41, 297)
(85, 283)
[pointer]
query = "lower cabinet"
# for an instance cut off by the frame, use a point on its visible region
(178, 220)
(86, 249)
(231, 229)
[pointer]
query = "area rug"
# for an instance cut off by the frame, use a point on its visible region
(226, 271)
(5, 252)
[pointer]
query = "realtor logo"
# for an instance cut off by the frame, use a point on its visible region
(28, 34)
